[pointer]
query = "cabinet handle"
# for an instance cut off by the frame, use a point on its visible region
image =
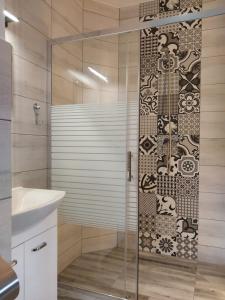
(44, 244)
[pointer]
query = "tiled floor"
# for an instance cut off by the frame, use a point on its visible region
(159, 279)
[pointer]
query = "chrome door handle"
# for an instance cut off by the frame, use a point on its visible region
(38, 248)
(129, 165)
(14, 263)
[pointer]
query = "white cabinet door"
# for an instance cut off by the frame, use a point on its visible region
(18, 259)
(41, 266)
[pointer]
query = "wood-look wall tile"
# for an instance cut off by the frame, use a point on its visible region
(28, 43)
(93, 21)
(212, 125)
(31, 179)
(212, 179)
(62, 91)
(211, 254)
(30, 81)
(29, 152)
(213, 70)
(212, 206)
(27, 125)
(213, 42)
(5, 161)
(68, 256)
(101, 9)
(99, 243)
(212, 233)
(71, 11)
(129, 54)
(213, 22)
(99, 52)
(36, 13)
(213, 97)
(212, 4)
(68, 236)
(89, 232)
(212, 152)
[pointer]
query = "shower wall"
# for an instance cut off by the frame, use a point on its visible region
(169, 131)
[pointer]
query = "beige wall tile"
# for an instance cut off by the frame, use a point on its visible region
(68, 256)
(212, 206)
(211, 254)
(71, 11)
(132, 80)
(213, 22)
(213, 42)
(213, 97)
(31, 179)
(212, 233)
(68, 236)
(29, 152)
(35, 12)
(28, 43)
(212, 179)
(129, 54)
(62, 91)
(210, 4)
(212, 125)
(101, 9)
(93, 21)
(213, 70)
(75, 49)
(63, 63)
(129, 12)
(30, 80)
(89, 232)
(23, 117)
(99, 243)
(99, 52)
(212, 152)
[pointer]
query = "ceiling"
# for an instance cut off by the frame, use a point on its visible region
(121, 3)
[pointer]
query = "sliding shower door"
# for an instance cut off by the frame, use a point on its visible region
(94, 146)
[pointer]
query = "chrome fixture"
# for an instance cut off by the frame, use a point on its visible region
(9, 17)
(36, 108)
(9, 283)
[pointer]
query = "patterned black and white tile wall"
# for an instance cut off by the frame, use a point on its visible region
(169, 196)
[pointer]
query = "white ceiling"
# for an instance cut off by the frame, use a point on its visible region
(121, 3)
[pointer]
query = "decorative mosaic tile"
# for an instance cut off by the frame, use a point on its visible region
(167, 165)
(166, 124)
(187, 186)
(188, 145)
(168, 43)
(190, 81)
(147, 32)
(187, 228)
(148, 183)
(149, 45)
(197, 4)
(188, 166)
(190, 24)
(168, 63)
(147, 241)
(169, 5)
(165, 244)
(164, 144)
(148, 164)
(148, 125)
(146, 223)
(167, 104)
(187, 248)
(189, 103)
(148, 10)
(163, 84)
(189, 124)
(149, 86)
(166, 185)
(165, 225)
(147, 204)
(148, 104)
(149, 65)
(148, 144)
(190, 39)
(168, 14)
(166, 205)
(188, 60)
(187, 206)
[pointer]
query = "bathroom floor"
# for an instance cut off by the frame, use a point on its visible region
(159, 279)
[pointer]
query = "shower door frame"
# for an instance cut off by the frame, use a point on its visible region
(204, 14)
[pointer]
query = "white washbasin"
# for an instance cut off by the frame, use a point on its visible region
(30, 206)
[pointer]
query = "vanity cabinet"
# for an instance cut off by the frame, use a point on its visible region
(36, 265)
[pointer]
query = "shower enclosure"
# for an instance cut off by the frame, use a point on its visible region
(124, 145)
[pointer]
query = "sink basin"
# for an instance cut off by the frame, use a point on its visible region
(30, 206)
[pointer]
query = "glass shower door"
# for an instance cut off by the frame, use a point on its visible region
(94, 123)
